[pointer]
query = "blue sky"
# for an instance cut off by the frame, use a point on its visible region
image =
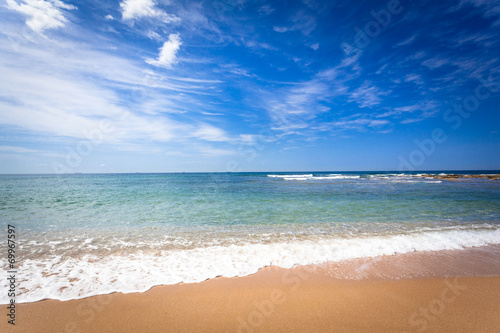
(167, 86)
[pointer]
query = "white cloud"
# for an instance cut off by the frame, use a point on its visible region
(479, 38)
(304, 22)
(168, 51)
(42, 15)
(71, 108)
(415, 78)
(248, 138)
(414, 57)
(357, 122)
(137, 9)
(280, 29)
(266, 10)
(375, 123)
(109, 17)
(256, 44)
(411, 120)
(426, 108)
(154, 35)
(295, 110)
(301, 22)
(23, 151)
(17, 149)
(212, 113)
(382, 69)
(367, 95)
(60, 100)
(214, 152)
(134, 9)
(347, 70)
(406, 41)
(210, 133)
(435, 62)
(234, 69)
(489, 7)
(315, 46)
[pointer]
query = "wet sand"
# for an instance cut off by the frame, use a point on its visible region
(301, 299)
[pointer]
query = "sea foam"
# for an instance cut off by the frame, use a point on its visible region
(65, 278)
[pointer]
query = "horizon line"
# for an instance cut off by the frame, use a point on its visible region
(232, 172)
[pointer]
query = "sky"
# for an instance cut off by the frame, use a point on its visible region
(103, 86)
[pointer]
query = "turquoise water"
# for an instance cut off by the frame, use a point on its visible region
(198, 200)
(189, 227)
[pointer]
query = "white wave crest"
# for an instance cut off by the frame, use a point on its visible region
(65, 278)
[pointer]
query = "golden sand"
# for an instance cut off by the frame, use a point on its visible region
(301, 299)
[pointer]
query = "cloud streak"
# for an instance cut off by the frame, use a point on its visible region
(42, 15)
(69, 99)
(140, 9)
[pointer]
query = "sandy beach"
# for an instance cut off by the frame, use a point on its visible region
(301, 299)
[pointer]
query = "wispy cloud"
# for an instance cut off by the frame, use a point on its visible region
(304, 22)
(256, 44)
(210, 133)
(301, 21)
(298, 108)
(357, 123)
(420, 111)
(435, 62)
(266, 10)
(168, 51)
(489, 7)
(69, 99)
(411, 120)
(137, 9)
(415, 78)
(367, 95)
(407, 41)
(42, 15)
(476, 38)
(281, 29)
(235, 69)
(209, 151)
(14, 149)
(23, 151)
(154, 35)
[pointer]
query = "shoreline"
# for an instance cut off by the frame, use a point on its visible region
(300, 299)
(84, 275)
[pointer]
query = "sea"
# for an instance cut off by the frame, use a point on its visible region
(80, 235)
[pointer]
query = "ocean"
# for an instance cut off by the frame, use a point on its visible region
(88, 234)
